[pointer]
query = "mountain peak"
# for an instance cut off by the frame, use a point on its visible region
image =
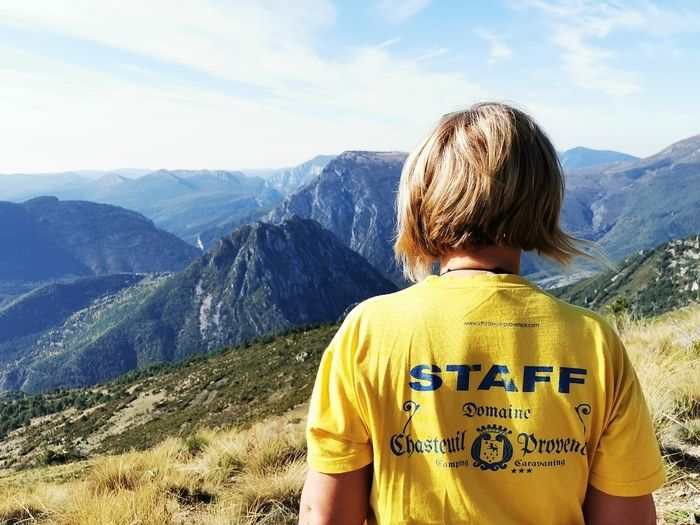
(580, 157)
(111, 179)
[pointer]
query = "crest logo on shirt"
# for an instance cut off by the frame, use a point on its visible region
(492, 449)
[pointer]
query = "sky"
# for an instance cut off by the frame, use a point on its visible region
(99, 84)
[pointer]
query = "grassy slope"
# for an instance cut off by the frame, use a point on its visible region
(229, 387)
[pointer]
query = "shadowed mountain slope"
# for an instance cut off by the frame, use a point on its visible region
(45, 238)
(260, 279)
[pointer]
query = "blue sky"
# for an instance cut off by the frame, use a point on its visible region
(97, 84)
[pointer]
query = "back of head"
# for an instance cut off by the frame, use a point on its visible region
(484, 176)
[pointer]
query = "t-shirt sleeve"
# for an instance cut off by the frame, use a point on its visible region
(337, 438)
(627, 461)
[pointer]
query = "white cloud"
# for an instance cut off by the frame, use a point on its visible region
(588, 66)
(590, 125)
(580, 27)
(499, 48)
(77, 118)
(401, 10)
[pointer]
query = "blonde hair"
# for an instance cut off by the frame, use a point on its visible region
(487, 175)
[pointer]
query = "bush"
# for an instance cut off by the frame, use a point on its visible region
(59, 455)
(196, 444)
(690, 432)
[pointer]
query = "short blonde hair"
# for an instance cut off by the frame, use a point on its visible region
(487, 175)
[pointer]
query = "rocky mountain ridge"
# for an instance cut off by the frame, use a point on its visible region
(260, 279)
(354, 198)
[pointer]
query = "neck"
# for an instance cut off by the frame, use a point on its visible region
(489, 258)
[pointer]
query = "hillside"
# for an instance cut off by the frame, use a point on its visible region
(48, 239)
(647, 283)
(229, 387)
(41, 331)
(260, 279)
(221, 438)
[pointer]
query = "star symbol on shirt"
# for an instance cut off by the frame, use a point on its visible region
(522, 470)
(514, 471)
(529, 470)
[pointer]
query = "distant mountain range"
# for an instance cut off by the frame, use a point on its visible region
(650, 282)
(260, 279)
(288, 180)
(47, 239)
(637, 205)
(184, 202)
(625, 206)
(584, 157)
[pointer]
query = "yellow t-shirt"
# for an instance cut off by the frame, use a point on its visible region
(481, 400)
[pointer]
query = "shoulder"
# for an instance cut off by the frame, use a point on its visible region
(586, 323)
(386, 304)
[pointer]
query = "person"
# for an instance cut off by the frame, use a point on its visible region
(473, 396)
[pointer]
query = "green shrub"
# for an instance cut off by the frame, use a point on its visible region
(196, 444)
(59, 455)
(690, 432)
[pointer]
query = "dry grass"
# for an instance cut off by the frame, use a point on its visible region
(254, 476)
(666, 355)
(248, 476)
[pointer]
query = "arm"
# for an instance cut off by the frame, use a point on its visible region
(338, 499)
(600, 508)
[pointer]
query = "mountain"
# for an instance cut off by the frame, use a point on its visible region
(20, 187)
(288, 180)
(585, 157)
(131, 173)
(637, 205)
(354, 198)
(649, 282)
(184, 202)
(260, 279)
(45, 239)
